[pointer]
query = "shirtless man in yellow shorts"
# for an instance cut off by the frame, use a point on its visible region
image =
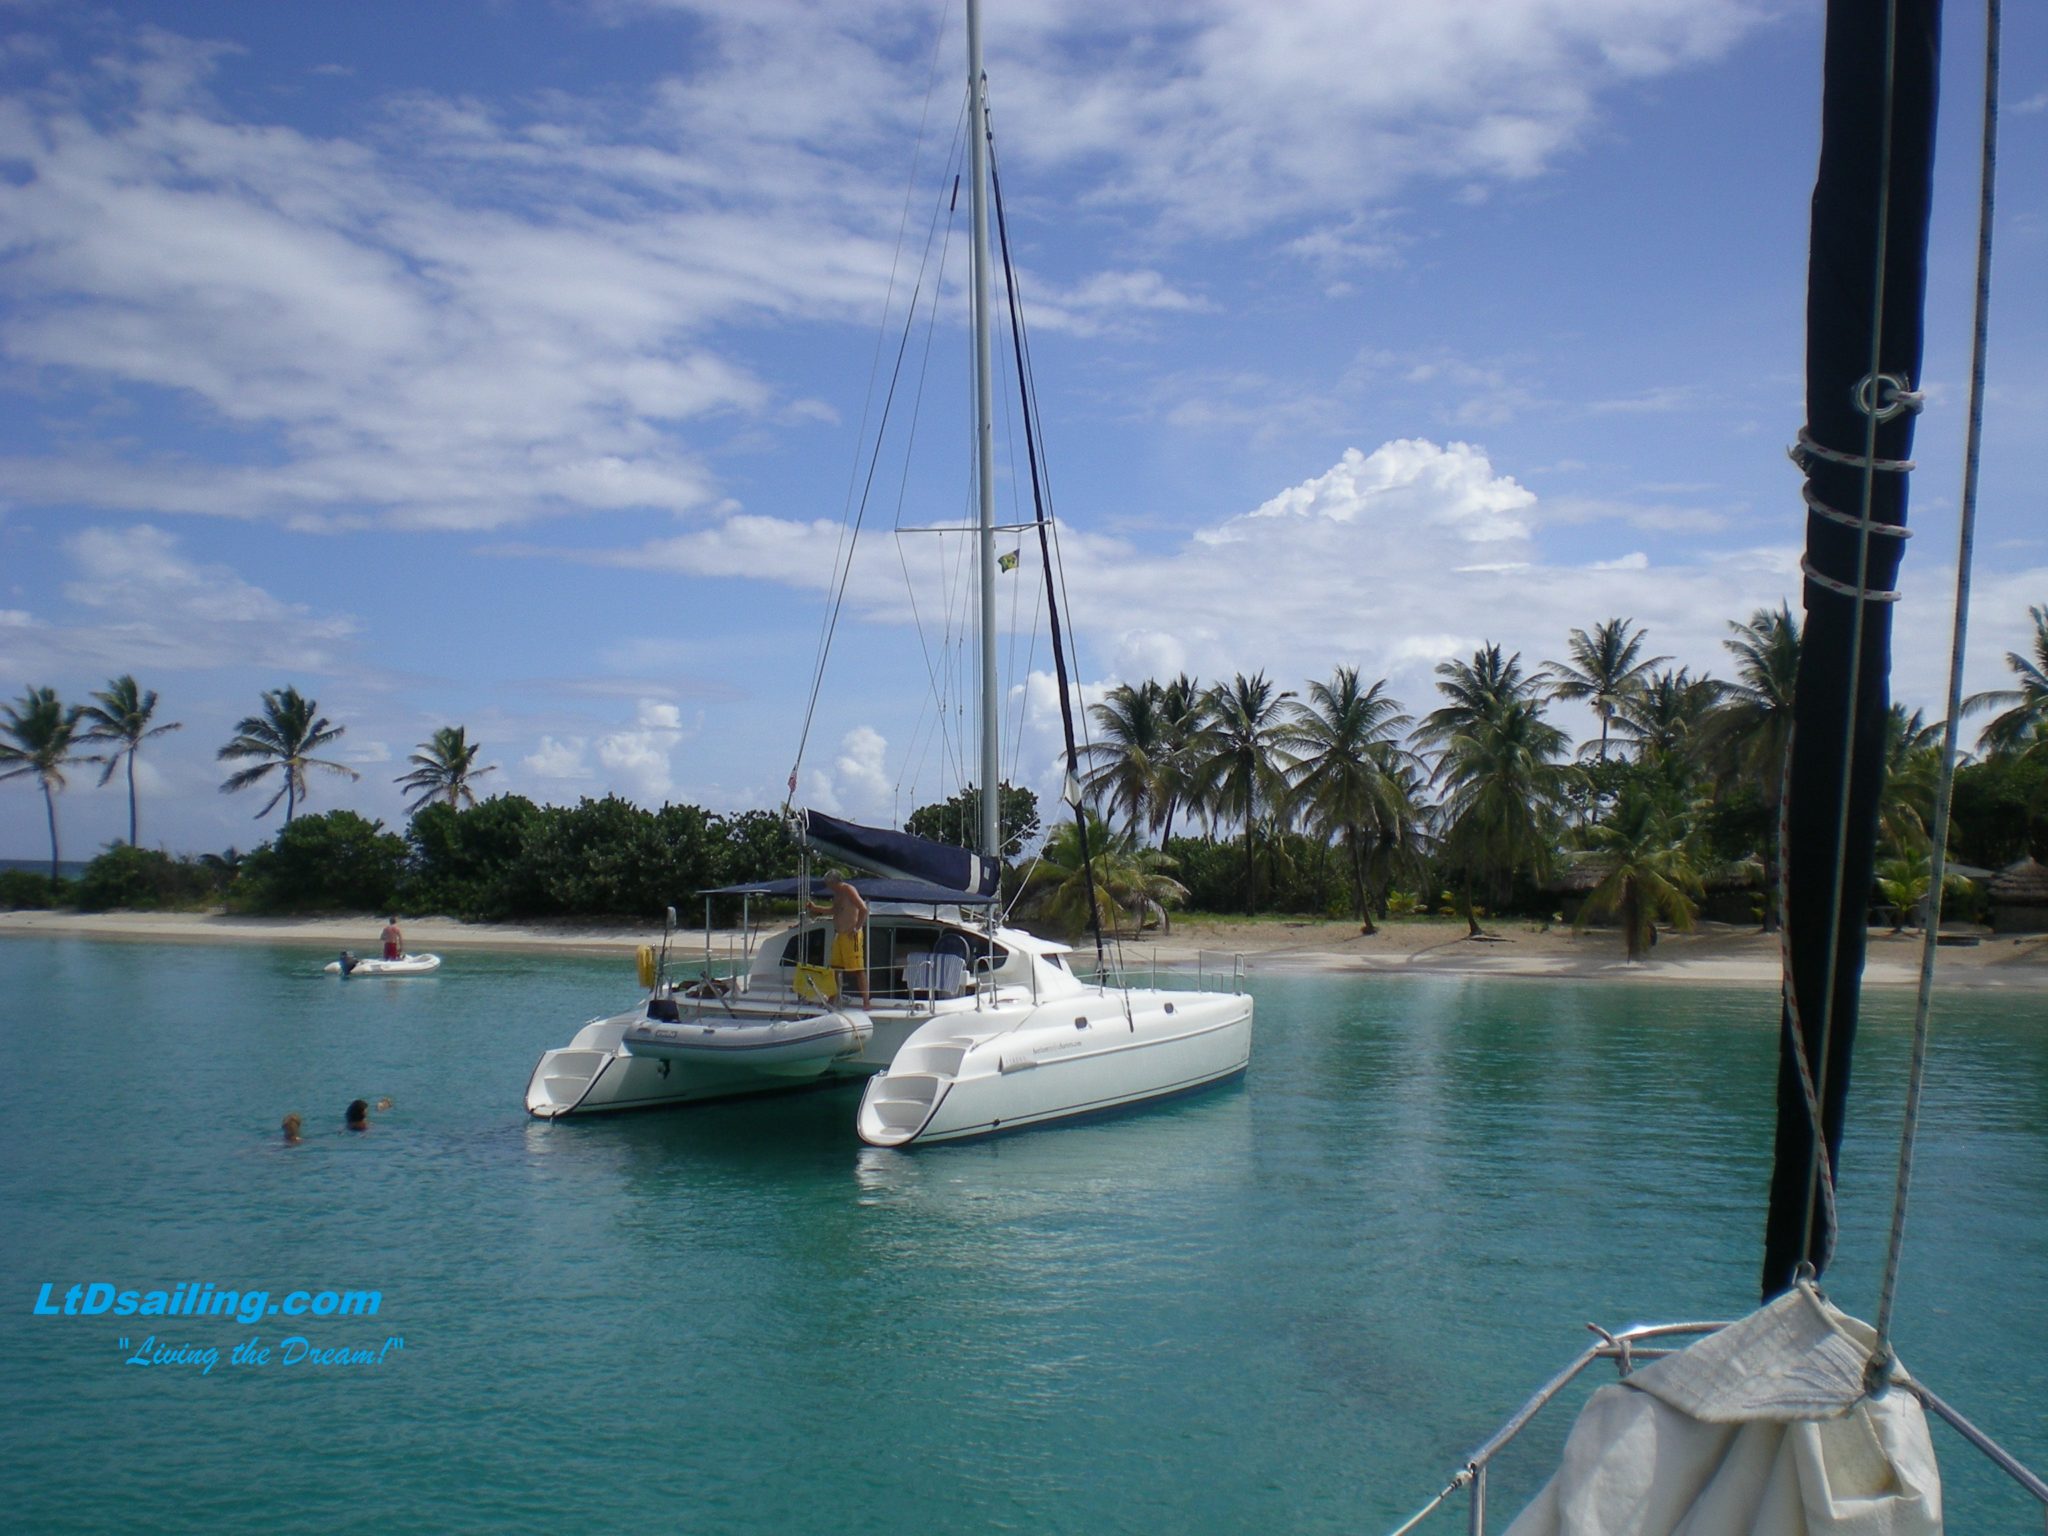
(849, 933)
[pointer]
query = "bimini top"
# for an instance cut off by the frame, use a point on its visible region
(915, 892)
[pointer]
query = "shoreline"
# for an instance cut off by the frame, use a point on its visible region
(1712, 954)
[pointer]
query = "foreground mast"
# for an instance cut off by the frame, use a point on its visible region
(1866, 282)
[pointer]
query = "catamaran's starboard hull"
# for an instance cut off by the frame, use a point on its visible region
(1081, 1056)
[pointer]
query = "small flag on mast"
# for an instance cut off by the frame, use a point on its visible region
(1008, 562)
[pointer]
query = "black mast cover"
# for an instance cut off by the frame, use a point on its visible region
(1870, 218)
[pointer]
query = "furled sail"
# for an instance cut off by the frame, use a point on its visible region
(899, 854)
(1866, 280)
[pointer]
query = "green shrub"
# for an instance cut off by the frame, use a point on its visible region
(143, 880)
(609, 858)
(336, 862)
(24, 888)
(473, 863)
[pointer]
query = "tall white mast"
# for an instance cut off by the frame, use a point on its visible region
(984, 435)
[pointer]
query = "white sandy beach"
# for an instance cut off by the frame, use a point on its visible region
(1715, 954)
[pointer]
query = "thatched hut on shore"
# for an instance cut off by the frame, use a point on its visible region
(2019, 898)
(1733, 892)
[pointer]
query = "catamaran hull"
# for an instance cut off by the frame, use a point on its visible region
(947, 1086)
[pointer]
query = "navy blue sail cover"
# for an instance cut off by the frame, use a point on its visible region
(900, 855)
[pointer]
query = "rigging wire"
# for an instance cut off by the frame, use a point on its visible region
(932, 672)
(842, 559)
(1070, 789)
(1881, 1351)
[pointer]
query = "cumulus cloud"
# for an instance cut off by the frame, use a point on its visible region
(558, 760)
(1450, 487)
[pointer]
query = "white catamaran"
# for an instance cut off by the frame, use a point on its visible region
(972, 1026)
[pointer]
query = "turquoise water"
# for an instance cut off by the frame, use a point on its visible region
(1289, 1305)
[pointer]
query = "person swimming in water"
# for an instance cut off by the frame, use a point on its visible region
(358, 1116)
(292, 1125)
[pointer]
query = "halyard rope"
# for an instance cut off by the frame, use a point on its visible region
(1881, 1352)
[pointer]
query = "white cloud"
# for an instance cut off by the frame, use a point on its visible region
(558, 760)
(457, 314)
(1236, 113)
(147, 605)
(1452, 487)
(861, 778)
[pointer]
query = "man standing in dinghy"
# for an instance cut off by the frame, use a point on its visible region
(392, 939)
(849, 933)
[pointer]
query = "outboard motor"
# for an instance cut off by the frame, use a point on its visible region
(348, 962)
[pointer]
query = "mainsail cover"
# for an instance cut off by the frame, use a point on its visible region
(899, 854)
(1866, 281)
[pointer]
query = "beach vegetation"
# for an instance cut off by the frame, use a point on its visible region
(1749, 732)
(126, 878)
(37, 736)
(1500, 766)
(122, 717)
(610, 858)
(1255, 798)
(335, 861)
(282, 740)
(1240, 773)
(472, 862)
(1130, 755)
(444, 769)
(1354, 781)
(1648, 873)
(2020, 729)
(1133, 884)
(25, 890)
(1607, 670)
(957, 821)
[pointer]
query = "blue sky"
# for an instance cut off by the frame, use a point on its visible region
(506, 365)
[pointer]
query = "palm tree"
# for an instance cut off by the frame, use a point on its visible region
(1665, 722)
(123, 714)
(2023, 727)
(285, 735)
(1648, 873)
(1130, 760)
(1607, 668)
(1183, 743)
(1240, 772)
(1499, 766)
(1129, 879)
(39, 734)
(1912, 764)
(1345, 740)
(1751, 728)
(443, 769)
